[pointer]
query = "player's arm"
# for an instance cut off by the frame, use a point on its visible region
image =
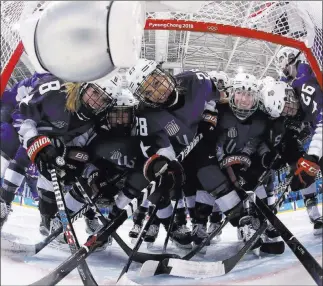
(159, 150)
(307, 166)
(312, 97)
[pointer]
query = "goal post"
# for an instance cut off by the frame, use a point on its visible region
(296, 24)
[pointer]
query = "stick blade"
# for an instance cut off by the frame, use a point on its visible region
(124, 280)
(194, 269)
(10, 243)
(149, 268)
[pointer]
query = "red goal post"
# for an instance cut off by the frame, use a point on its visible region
(296, 24)
(194, 26)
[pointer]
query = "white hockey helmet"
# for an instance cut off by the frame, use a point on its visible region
(121, 118)
(100, 95)
(279, 99)
(151, 85)
(286, 59)
(262, 82)
(220, 79)
(80, 41)
(244, 97)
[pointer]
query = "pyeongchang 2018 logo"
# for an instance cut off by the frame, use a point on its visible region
(171, 25)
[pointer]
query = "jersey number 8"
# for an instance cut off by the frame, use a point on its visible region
(48, 86)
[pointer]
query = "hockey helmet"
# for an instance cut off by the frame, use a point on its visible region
(151, 85)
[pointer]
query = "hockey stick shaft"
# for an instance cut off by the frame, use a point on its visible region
(69, 232)
(170, 227)
(307, 260)
(138, 257)
(140, 240)
(80, 255)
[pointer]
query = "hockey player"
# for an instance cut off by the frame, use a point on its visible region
(58, 114)
(171, 109)
(239, 131)
(14, 159)
(289, 129)
(292, 64)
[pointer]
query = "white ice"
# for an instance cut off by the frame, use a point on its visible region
(106, 266)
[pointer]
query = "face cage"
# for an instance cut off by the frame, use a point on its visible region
(96, 99)
(287, 62)
(121, 118)
(159, 90)
(291, 104)
(243, 114)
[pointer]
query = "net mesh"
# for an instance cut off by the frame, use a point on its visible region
(293, 20)
(298, 20)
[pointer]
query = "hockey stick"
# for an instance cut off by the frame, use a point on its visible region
(140, 238)
(69, 232)
(170, 227)
(80, 255)
(308, 261)
(137, 257)
(8, 242)
(184, 268)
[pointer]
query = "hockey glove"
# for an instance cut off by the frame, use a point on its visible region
(173, 178)
(207, 125)
(44, 155)
(240, 161)
(306, 170)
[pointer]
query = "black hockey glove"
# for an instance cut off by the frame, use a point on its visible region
(306, 170)
(207, 125)
(44, 155)
(172, 179)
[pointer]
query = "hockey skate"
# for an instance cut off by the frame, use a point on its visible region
(314, 215)
(151, 235)
(134, 232)
(138, 220)
(48, 225)
(212, 227)
(272, 242)
(181, 236)
(199, 233)
(247, 227)
(318, 226)
(4, 212)
(92, 227)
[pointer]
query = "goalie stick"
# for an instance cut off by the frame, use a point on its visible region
(83, 252)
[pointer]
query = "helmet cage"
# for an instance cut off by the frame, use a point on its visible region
(239, 111)
(291, 103)
(95, 98)
(156, 89)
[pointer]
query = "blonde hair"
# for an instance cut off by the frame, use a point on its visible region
(73, 96)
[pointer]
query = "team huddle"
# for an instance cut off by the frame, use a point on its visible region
(118, 140)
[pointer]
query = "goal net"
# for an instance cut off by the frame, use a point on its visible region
(219, 35)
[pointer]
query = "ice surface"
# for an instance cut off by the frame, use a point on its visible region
(107, 265)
